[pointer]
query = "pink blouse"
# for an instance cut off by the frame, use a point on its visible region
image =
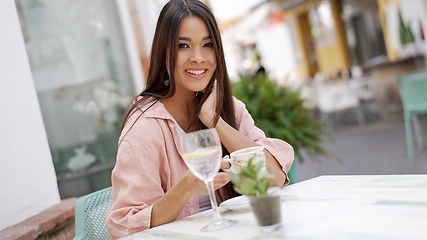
(148, 164)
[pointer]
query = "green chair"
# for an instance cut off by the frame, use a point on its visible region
(90, 215)
(413, 91)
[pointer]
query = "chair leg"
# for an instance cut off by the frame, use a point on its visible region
(423, 120)
(326, 119)
(360, 115)
(409, 137)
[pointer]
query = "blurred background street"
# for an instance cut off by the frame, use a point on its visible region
(69, 68)
(377, 148)
(335, 62)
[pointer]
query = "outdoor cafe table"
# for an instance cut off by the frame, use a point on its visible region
(325, 207)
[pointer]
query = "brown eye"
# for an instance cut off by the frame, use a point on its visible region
(183, 45)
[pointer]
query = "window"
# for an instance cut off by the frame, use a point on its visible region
(83, 82)
(363, 30)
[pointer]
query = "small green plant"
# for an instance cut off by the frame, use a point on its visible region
(252, 180)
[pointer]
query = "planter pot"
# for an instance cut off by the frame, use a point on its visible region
(267, 210)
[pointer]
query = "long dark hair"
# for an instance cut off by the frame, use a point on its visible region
(165, 46)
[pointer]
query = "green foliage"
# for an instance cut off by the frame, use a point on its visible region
(405, 33)
(279, 111)
(252, 180)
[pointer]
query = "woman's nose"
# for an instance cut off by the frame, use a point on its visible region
(197, 56)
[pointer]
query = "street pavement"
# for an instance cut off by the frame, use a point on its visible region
(374, 148)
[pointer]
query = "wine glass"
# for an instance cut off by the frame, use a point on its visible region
(202, 154)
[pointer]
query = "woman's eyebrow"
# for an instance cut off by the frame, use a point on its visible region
(189, 39)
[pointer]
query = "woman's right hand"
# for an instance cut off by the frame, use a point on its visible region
(171, 204)
(197, 186)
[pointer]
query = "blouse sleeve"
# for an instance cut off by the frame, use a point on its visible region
(282, 151)
(136, 172)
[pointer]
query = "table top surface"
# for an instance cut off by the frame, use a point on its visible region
(325, 207)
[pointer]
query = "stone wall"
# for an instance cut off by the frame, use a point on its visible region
(56, 222)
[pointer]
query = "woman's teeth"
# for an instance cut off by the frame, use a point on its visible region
(196, 72)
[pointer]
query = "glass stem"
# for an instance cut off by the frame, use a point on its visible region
(212, 197)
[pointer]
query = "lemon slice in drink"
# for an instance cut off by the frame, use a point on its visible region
(199, 154)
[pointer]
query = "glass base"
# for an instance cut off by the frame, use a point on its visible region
(271, 228)
(218, 225)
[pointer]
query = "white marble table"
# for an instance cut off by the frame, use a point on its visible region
(325, 207)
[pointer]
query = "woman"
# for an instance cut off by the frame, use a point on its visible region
(188, 89)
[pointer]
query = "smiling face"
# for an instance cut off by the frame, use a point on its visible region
(196, 60)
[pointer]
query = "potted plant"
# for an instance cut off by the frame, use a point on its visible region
(406, 38)
(280, 112)
(253, 181)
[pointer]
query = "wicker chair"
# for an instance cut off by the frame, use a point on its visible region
(90, 215)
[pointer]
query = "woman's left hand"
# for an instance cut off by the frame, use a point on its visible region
(207, 113)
